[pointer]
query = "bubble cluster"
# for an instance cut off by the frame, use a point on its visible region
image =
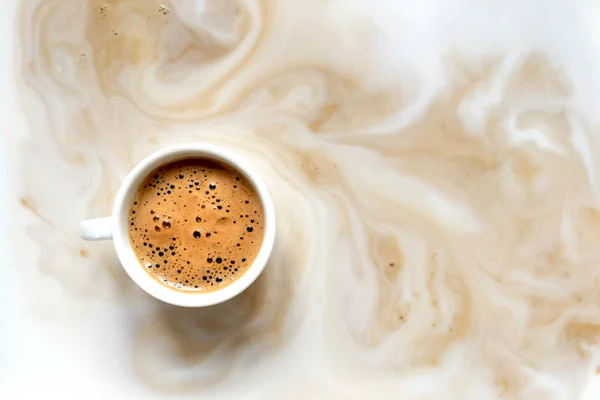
(184, 226)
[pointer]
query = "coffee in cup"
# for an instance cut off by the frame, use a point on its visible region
(196, 224)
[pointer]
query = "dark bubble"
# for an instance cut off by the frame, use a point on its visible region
(198, 219)
(218, 279)
(157, 229)
(172, 186)
(219, 260)
(209, 260)
(155, 218)
(247, 202)
(150, 245)
(180, 176)
(196, 235)
(160, 254)
(237, 178)
(207, 234)
(249, 229)
(166, 224)
(243, 260)
(212, 186)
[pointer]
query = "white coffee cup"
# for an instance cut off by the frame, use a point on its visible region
(116, 226)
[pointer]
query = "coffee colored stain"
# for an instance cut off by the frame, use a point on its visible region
(583, 333)
(84, 253)
(110, 271)
(163, 10)
(27, 204)
(327, 111)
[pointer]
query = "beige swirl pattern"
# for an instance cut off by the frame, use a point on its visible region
(435, 173)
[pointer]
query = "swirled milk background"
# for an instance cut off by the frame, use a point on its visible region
(434, 166)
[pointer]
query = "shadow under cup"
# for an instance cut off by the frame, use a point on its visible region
(122, 222)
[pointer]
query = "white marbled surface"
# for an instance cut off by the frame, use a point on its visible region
(434, 166)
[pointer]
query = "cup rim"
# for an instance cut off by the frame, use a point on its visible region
(121, 236)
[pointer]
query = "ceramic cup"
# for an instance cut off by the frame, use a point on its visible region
(115, 227)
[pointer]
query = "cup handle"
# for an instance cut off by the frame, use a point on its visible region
(97, 229)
